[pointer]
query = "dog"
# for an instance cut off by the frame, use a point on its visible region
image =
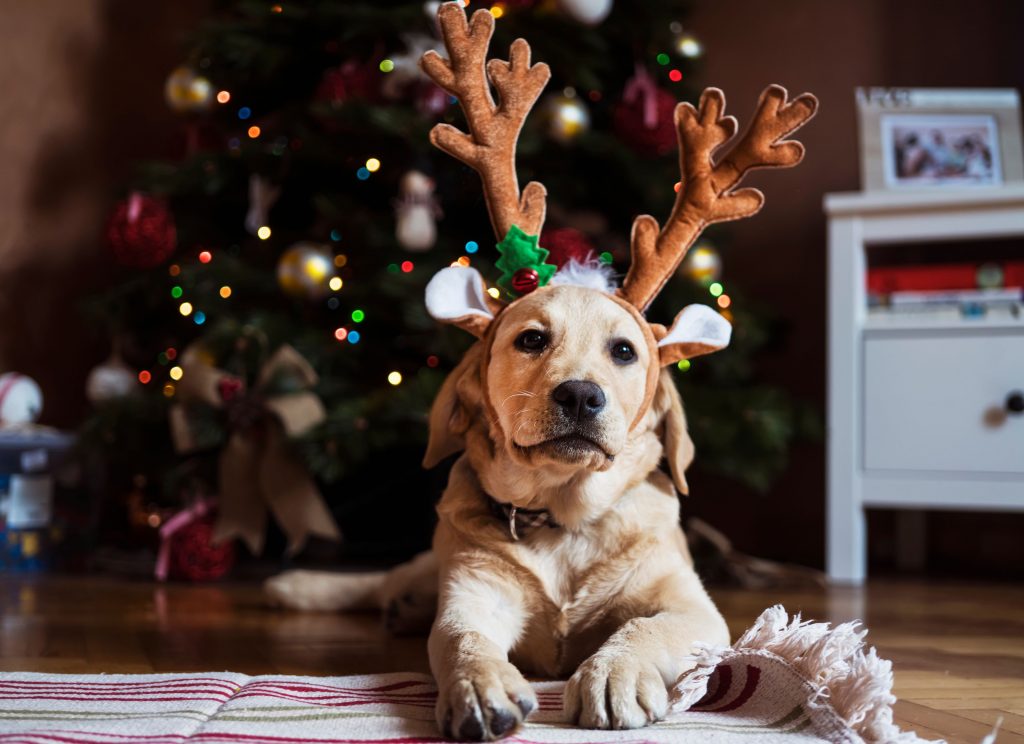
(603, 587)
(558, 549)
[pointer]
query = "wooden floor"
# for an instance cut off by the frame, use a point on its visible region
(958, 650)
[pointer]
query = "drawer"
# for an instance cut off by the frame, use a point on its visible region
(935, 402)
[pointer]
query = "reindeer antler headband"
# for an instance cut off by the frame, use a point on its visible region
(708, 193)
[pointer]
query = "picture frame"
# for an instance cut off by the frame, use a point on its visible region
(934, 138)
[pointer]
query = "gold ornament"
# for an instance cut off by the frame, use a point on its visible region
(702, 264)
(305, 270)
(567, 117)
(185, 91)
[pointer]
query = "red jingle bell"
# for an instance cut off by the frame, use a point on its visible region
(525, 280)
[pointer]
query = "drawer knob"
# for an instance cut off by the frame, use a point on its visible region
(1015, 402)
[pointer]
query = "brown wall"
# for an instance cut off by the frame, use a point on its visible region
(82, 99)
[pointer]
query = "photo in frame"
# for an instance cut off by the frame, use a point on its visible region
(926, 138)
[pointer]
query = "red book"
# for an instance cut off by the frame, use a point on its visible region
(888, 279)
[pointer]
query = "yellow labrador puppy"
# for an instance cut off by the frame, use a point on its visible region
(558, 549)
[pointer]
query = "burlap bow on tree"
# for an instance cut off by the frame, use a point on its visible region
(257, 470)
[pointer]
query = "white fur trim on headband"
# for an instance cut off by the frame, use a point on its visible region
(590, 274)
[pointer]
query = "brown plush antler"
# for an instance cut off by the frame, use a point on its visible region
(708, 192)
(490, 146)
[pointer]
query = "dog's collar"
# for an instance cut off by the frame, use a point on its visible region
(520, 522)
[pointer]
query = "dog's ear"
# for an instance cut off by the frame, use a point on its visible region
(458, 295)
(454, 408)
(696, 330)
(675, 440)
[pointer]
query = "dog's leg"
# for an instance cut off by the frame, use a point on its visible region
(624, 684)
(481, 696)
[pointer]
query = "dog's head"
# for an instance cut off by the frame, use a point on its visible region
(566, 376)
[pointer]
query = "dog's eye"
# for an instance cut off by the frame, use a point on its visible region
(623, 352)
(531, 341)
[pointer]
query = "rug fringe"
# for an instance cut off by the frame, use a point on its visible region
(855, 683)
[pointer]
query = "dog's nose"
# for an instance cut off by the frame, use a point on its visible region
(580, 399)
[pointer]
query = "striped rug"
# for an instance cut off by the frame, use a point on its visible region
(749, 693)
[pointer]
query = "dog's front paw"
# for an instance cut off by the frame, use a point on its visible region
(615, 690)
(483, 700)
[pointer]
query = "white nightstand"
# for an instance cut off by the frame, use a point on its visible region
(914, 406)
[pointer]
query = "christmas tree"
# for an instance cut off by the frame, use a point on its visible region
(277, 268)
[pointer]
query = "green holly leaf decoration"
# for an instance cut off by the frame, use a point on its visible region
(521, 251)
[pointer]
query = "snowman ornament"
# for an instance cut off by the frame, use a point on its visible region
(416, 212)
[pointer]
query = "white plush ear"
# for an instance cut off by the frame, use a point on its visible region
(458, 295)
(697, 330)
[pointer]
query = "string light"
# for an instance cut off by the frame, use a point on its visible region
(205, 257)
(358, 316)
(362, 174)
(494, 292)
(395, 378)
(176, 373)
(386, 65)
(333, 303)
(176, 291)
(353, 337)
(340, 333)
(463, 261)
(174, 269)
(683, 365)
(689, 46)
(199, 318)
(678, 185)
(407, 266)
(606, 257)
(335, 235)
(373, 165)
(675, 76)
(263, 233)
(254, 132)
(724, 301)
(276, 9)
(161, 358)
(340, 260)
(432, 361)
(244, 113)
(185, 308)
(715, 288)
(662, 59)
(497, 10)
(472, 246)
(223, 96)
(145, 377)
(335, 283)
(393, 268)
(225, 291)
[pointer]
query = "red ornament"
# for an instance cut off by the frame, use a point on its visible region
(525, 280)
(194, 556)
(646, 121)
(140, 232)
(566, 244)
(229, 388)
